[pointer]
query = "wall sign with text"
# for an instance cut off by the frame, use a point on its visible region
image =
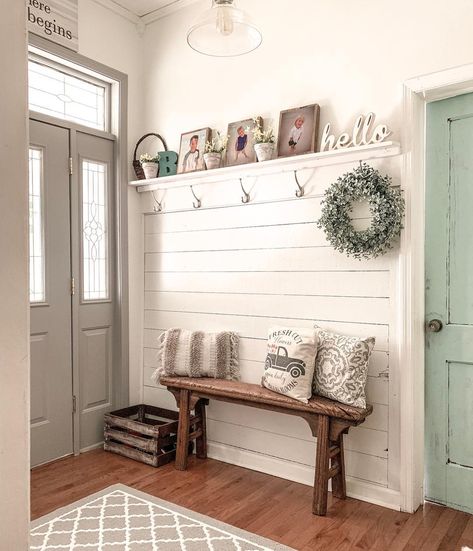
(55, 20)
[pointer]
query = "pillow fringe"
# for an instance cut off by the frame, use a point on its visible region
(159, 372)
(234, 361)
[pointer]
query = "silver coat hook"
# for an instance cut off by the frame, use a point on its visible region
(158, 207)
(198, 204)
(246, 196)
(300, 189)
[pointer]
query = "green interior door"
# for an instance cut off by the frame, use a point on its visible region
(449, 303)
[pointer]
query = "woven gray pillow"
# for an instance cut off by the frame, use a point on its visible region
(341, 367)
(184, 353)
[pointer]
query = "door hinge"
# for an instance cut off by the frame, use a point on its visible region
(70, 166)
(74, 404)
(73, 286)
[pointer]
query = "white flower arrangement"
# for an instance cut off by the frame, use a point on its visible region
(147, 158)
(260, 135)
(218, 144)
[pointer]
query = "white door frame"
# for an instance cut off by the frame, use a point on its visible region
(418, 92)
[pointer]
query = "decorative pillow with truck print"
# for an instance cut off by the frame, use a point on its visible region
(289, 362)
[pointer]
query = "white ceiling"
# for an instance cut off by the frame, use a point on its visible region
(144, 7)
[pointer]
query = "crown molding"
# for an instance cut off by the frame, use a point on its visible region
(171, 7)
(119, 10)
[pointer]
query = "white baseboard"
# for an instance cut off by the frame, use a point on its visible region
(93, 447)
(356, 488)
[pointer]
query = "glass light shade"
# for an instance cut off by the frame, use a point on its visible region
(224, 31)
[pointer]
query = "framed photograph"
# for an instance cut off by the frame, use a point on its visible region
(298, 130)
(240, 147)
(191, 150)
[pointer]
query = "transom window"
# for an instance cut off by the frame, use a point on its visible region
(67, 95)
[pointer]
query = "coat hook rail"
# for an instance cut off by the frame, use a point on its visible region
(300, 190)
(158, 206)
(246, 196)
(197, 204)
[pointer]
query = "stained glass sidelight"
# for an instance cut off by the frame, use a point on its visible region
(36, 226)
(95, 272)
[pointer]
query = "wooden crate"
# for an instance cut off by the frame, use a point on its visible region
(145, 433)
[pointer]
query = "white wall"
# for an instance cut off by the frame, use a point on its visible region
(248, 267)
(14, 337)
(351, 58)
(108, 38)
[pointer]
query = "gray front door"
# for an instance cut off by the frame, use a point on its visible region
(94, 256)
(72, 289)
(50, 294)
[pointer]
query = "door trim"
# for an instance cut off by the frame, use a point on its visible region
(417, 92)
(119, 132)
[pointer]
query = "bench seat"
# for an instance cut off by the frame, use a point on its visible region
(220, 388)
(328, 421)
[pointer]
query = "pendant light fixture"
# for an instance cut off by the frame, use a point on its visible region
(224, 31)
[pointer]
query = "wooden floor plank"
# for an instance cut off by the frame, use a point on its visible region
(271, 507)
(466, 538)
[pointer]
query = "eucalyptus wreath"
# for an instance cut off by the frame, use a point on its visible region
(386, 205)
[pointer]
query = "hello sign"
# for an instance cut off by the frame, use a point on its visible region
(364, 133)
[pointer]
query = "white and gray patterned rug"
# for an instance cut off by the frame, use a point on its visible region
(123, 519)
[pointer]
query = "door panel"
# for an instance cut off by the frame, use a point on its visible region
(449, 298)
(460, 259)
(460, 413)
(95, 300)
(51, 355)
(96, 363)
(39, 398)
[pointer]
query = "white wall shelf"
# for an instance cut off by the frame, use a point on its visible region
(275, 166)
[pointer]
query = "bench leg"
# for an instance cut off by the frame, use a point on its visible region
(319, 506)
(183, 430)
(339, 488)
(201, 441)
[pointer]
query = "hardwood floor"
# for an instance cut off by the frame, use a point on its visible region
(272, 507)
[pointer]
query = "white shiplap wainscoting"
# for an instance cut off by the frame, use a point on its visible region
(231, 266)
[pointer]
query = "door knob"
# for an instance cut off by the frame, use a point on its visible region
(434, 326)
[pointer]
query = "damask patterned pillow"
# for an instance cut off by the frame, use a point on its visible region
(290, 360)
(341, 367)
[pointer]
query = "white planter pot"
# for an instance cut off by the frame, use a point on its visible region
(264, 151)
(150, 170)
(212, 160)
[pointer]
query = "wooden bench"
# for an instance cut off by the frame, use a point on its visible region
(328, 421)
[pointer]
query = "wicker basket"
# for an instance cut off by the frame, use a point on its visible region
(140, 175)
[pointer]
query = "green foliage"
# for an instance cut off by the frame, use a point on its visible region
(386, 205)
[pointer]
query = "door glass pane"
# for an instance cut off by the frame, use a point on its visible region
(65, 96)
(95, 277)
(37, 286)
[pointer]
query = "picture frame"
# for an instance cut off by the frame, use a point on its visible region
(240, 147)
(298, 130)
(192, 149)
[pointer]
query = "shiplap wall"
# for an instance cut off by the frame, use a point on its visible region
(248, 267)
